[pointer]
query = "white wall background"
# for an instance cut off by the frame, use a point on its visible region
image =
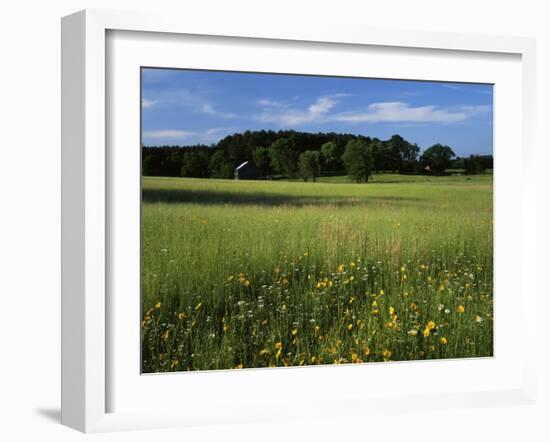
(30, 213)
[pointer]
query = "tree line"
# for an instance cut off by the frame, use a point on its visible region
(307, 155)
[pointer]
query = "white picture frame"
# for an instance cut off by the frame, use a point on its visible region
(86, 205)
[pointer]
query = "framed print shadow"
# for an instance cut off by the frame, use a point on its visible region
(293, 220)
(252, 214)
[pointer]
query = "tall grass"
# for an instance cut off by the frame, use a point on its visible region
(255, 274)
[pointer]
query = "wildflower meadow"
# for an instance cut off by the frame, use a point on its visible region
(248, 274)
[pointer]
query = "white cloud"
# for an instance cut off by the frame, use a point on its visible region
(208, 108)
(321, 106)
(213, 135)
(400, 112)
(316, 112)
(176, 136)
(271, 103)
(185, 98)
(145, 104)
(321, 111)
(167, 134)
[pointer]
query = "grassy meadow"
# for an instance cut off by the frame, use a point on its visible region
(241, 274)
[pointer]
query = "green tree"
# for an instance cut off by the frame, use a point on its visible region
(195, 164)
(284, 157)
(220, 166)
(402, 154)
(379, 153)
(436, 159)
(152, 165)
(262, 158)
(358, 160)
(309, 165)
(475, 164)
(332, 154)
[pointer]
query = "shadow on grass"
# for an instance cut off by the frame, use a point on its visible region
(265, 199)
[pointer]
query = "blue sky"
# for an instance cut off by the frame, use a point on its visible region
(189, 107)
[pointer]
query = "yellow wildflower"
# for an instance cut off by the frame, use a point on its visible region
(340, 268)
(239, 366)
(350, 326)
(157, 305)
(460, 308)
(181, 316)
(443, 340)
(294, 332)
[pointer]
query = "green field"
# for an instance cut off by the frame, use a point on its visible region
(272, 273)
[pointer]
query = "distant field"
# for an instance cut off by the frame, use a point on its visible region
(397, 178)
(273, 273)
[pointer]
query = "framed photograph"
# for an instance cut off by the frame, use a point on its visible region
(270, 223)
